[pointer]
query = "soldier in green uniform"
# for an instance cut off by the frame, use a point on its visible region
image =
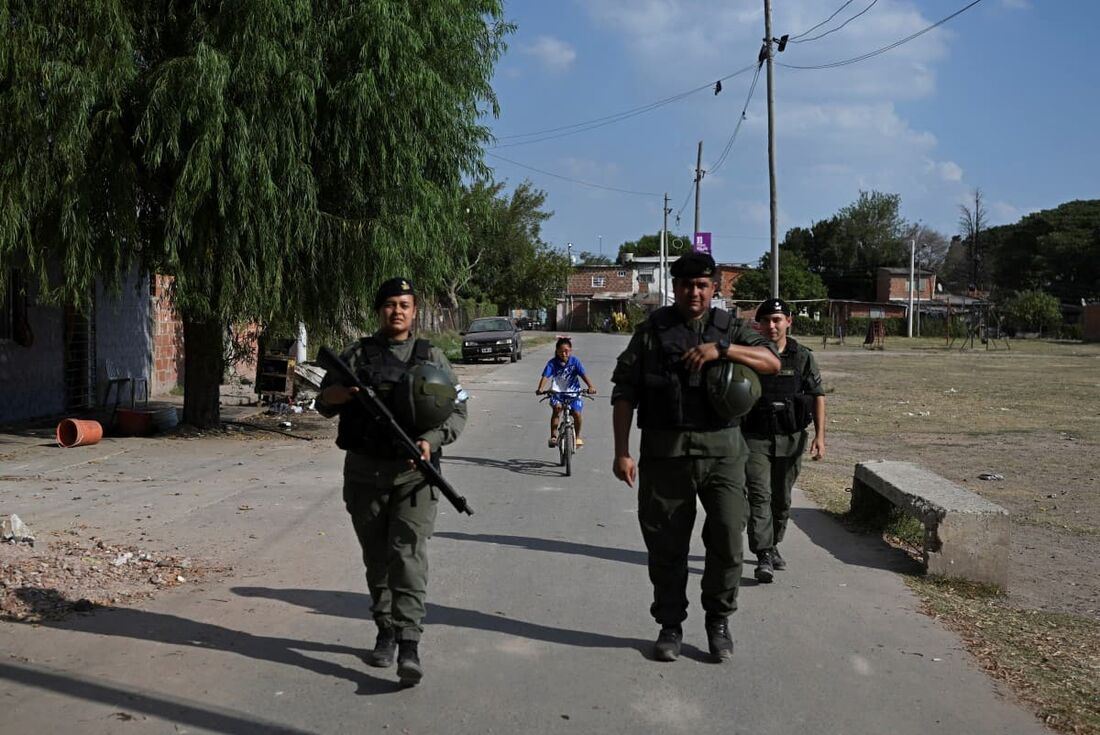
(392, 508)
(688, 449)
(775, 431)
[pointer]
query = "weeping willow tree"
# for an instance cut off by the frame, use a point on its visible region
(278, 158)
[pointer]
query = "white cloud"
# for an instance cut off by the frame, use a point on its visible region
(1005, 213)
(946, 170)
(553, 53)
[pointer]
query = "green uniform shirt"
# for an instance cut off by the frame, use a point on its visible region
(403, 351)
(674, 442)
(791, 445)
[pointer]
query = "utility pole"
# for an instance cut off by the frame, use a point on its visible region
(771, 145)
(663, 261)
(698, 181)
(912, 285)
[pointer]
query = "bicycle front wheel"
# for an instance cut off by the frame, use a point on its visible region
(567, 450)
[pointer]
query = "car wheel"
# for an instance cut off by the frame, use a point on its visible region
(512, 357)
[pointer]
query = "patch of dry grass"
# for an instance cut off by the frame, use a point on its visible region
(1050, 660)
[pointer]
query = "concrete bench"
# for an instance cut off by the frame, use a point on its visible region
(965, 535)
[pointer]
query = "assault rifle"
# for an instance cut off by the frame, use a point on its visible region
(383, 418)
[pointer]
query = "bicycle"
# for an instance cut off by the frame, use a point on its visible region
(567, 433)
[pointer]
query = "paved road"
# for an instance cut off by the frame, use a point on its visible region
(538, 616)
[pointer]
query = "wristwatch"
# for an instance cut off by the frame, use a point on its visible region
(723, 348)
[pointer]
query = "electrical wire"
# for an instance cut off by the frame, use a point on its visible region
(687, 199)
(581, 127)
(884, 49)
(733, 137)
(834, 30)
(811, 30)
(571, 180)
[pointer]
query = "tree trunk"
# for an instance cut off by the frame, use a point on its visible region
(203, 357)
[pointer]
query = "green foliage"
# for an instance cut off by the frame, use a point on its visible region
(587, 258)
(796, 282)
(857, 326)
(1056, 250)
(847, 249)
(251, 148)
(1032, 311)
(650, 246)
(805, 326)
(508, 262)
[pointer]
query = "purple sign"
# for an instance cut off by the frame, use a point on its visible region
(702, 243)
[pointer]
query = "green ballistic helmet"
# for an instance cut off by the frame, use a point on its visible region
(428, 398)
(732, 389)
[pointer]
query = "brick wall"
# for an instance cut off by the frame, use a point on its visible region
(167, 337)
(580, 279)
(892, 287)
(727, 280)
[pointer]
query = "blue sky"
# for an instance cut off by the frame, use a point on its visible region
(1004, 97)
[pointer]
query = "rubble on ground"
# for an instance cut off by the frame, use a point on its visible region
(67, 575)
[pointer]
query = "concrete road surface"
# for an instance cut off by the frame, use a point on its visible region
(538, 617)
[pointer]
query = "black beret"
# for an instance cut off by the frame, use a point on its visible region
(772, 306)
(392, 287)
(693, 265)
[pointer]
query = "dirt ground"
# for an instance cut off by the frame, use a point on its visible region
(1030, 414)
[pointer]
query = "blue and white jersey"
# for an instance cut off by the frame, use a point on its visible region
(564, 376)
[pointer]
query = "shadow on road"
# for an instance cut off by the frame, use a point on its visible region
(356, 605)
(131, 699)
(558, 546)
(827, 532)
(173, 630)
(532, 467)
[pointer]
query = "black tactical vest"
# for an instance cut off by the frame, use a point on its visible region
(386, 374)
(783, 408)
(671, 397)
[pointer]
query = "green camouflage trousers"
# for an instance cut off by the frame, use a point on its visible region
(667, 489)
(393, 511)
(769, 480)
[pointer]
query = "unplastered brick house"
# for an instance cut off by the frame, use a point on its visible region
(594, 292)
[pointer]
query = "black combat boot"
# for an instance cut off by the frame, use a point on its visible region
(719, 640)
(765, 572)
(667, 647)
(408, 663)
(382, 655)
(777, 561)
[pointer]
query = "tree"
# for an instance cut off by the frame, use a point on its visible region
(972, 222)
(1032, 311)
(279, 158)
(587, 258)
(796, 281)
(517, 267)
(1056, 250)
(650, 246)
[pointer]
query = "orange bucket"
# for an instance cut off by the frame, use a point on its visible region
(78, 432)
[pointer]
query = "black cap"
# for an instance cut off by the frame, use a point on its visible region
(392, 287)
(693, 265)
(772, 306)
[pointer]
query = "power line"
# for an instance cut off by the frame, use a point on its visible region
(733, 137)
(571, 180)
(884, 49)
(834, 30)
(581, 127)
(811, 30)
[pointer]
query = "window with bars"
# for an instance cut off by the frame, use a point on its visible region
(599, 281)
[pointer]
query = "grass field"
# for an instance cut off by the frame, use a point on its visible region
(1032, 415)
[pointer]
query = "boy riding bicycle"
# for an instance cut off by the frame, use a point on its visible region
(563, 373)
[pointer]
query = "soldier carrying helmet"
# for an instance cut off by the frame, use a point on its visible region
(392, 507)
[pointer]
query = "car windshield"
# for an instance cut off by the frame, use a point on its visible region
(490, 325)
